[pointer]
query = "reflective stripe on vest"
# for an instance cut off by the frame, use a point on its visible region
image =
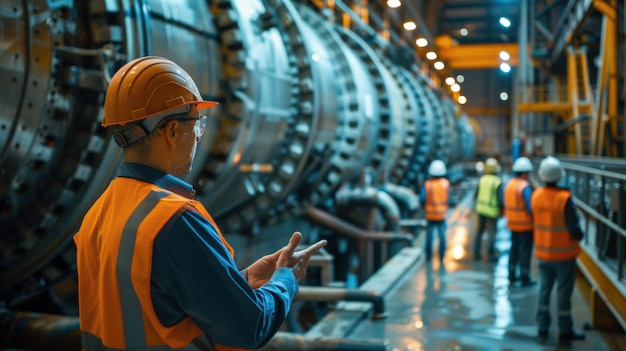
(114, 258)
(436, 204)
(487, 199)
(552, 239)
(518, 218)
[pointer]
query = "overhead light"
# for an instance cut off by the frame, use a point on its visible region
(394, 3)
(431, 55)
(421, 42)
(450, 80)
(461, 99)
(504, 55)
(464, 32)
(439, 65)
(504, 96)
(505, 67)
(505, 22)
(455, 88)
(410, 25)
(460, 78)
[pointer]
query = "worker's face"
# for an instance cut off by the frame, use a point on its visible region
(186, 144)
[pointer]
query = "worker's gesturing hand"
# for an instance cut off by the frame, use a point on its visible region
(261, 271)
(297, 261)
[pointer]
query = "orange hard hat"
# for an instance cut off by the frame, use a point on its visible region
(149, 86)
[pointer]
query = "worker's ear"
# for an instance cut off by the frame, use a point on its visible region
(170, 132)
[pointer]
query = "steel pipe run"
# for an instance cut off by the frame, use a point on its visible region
(353, 232)
(294, 342)
(327, 294)
(37, 331)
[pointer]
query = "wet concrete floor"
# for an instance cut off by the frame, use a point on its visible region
(467, 305)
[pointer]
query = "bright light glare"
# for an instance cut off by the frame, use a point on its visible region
(460, 78)
(421, 42)
(504, 55)
(315, 57)
(410, 25)
(449, 80)
(505, 67)
(504, 96)
(439, 65)
(394, 3)
(431, 55)
(505, 22)
(464, 32)
(458, 252)
(462, 100)
(455, 88)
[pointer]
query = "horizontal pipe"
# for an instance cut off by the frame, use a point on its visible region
(313, 293)
(296, 342)
(352, 231)
(38, 331)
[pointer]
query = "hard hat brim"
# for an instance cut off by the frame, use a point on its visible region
(201, 105)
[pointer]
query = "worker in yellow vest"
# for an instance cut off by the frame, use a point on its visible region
(557, 236)
(154, 270)
(489, 203)
(518, 213)
(434, 197)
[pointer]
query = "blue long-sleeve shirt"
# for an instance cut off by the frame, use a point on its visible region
(194, 275)
(526, 194)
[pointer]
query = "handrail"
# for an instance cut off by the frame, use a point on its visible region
(598, 187)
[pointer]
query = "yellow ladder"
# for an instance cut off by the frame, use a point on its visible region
(580, 98)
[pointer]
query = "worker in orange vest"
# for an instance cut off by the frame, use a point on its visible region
(434, 197)
(556, 238)
(154, 270)
(517, 194)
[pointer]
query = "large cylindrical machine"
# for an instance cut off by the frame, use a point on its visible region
(306, 105)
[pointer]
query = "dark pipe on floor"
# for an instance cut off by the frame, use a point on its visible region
(38, 331)
(295, 342)
(45, 332)
(312, 293)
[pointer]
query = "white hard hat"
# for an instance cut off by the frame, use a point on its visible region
(550, 170)
(491, 165)
(522, 165)
(437, 168)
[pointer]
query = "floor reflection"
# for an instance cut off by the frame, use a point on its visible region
(461, 304)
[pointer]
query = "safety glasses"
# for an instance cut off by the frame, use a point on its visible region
(199, 128)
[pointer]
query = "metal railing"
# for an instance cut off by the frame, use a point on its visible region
(598, 187)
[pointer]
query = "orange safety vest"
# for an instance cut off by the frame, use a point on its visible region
(436, 204)
(552, 239)
(518, 218)
(114, 260)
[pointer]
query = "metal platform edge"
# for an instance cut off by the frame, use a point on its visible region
(346, 315)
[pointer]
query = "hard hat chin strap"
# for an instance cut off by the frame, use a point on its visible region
(145, 127)
(127, 137)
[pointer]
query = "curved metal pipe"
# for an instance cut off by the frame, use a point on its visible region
(332, 222)
(403, 195)
(371, 196)
(312, 293)
(38, 331)
(294, 342)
